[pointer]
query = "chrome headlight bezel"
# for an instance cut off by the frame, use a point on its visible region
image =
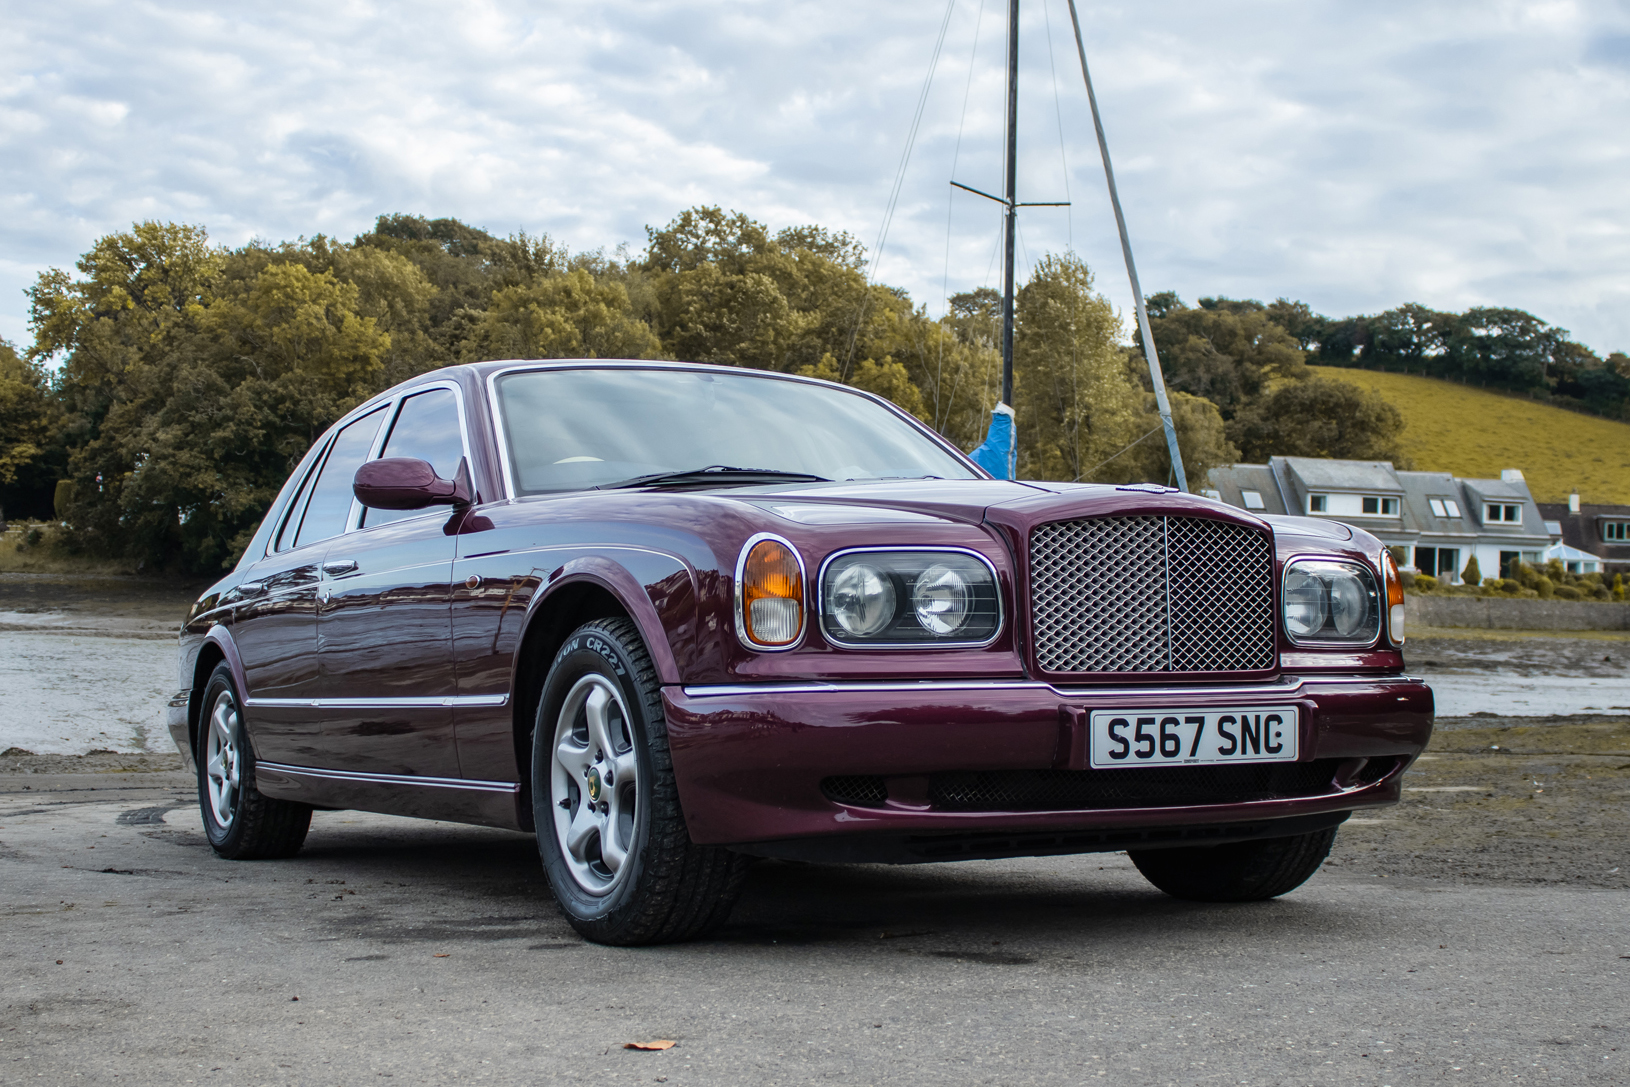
(1324, 569)
(888, 559)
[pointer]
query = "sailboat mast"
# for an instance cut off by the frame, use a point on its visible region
(1011, 223)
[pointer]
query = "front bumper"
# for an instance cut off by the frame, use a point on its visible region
(750, 761)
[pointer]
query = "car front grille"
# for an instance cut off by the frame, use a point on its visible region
(1151, 594)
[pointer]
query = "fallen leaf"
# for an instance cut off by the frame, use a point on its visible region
(660, 1043)
(441, 954)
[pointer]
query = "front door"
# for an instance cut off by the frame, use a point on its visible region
(384, 633)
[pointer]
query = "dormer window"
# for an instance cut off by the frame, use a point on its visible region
(1444, 507)
(1380, 507)
(1501, 513)
(1318, 503)
(1617, 531)
(1252, 500)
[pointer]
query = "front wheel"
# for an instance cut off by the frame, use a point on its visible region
(610, 830)
(239, 822)
(1240, 872)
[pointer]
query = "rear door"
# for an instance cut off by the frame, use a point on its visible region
(384, 633)
(275, 625)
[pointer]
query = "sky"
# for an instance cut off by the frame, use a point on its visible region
(1355, 156)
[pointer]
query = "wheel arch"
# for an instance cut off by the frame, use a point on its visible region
(218, 646)
(574, 599)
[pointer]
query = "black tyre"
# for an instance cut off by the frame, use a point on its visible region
(240, 823)
(610, 831)
(1241, 872)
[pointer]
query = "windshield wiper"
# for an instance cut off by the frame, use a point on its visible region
(714, 473)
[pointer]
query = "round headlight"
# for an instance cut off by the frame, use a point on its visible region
(942, 599)
(861, 600)
(1305, 607)
(1349, 604)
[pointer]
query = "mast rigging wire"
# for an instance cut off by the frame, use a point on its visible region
(899, 183)
(1149, 352)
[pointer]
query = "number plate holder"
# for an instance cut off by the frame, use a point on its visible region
(1193, 737)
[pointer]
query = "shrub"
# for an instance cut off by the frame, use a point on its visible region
(1618, 586)
(1425, 583)
(1510, 585)
(1556, 571)
(1472, 575)
(1545, 587)
(1568, 592)
(1406, 578)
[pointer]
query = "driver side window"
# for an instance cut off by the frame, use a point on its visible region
(427, 428)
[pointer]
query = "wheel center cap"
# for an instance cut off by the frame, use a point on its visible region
(594, 784)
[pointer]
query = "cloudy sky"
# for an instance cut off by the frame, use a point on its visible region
(1354, 155)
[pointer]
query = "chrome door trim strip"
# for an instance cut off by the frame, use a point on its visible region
(1288, 687)
(391, 779)
(461, 701)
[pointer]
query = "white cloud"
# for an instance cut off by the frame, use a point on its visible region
(1355, 156)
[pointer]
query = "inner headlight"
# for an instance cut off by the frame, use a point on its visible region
(1326, 601)
(861, 600)
(904, 598)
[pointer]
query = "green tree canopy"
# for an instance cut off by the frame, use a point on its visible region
(1320, 418)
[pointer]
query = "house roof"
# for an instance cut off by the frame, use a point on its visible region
(1583, 530)
(1343, 475)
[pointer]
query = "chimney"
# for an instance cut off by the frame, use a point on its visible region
(1573, 502)
(1511, 475)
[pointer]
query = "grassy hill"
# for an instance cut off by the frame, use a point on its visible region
(1476, 432)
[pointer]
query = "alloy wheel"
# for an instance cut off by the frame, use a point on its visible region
(594, 784)
(221, 763)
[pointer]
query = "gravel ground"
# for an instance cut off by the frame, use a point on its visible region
(1473, 934)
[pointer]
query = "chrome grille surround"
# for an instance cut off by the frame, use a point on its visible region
(1151, 594)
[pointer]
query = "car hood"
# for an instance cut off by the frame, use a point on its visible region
(973, 501)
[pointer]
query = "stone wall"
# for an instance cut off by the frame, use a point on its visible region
(1493, 613)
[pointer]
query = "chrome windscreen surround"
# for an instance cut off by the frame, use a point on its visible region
(1152, 594)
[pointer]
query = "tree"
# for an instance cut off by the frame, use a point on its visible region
(1075, 401)
(1226, 351)
(1320, 418)
(1472, 574)
(560, 317)
(29, 426)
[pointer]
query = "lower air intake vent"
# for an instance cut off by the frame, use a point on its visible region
(1153, 787)
(863, 791)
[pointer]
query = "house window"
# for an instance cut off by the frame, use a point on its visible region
(1317, 503)
(1252, 499)
(1383, 507)
(1372, 505)
(1452, 506)
(1616, 530)
(1495, 513)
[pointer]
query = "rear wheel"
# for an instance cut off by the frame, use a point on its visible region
(240, 823)
(1240, 872)
(610, 830)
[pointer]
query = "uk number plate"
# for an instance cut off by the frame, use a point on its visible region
(1193, 737)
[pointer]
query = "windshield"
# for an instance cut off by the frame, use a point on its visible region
(573, 429)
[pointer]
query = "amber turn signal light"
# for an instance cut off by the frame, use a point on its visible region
(1395, 599)
(772, 611)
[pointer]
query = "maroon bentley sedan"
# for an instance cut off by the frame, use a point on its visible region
(673, 617)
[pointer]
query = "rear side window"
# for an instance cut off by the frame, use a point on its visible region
(331, 496)
(291, 518)
(426, 428)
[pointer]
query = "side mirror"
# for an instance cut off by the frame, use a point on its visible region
(406, 483)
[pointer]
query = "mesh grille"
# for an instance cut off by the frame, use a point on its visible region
(1151, 594)
(1144, 787)
(863, 790)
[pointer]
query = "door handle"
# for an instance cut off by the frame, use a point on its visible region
(339, 567)
(251, 588)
